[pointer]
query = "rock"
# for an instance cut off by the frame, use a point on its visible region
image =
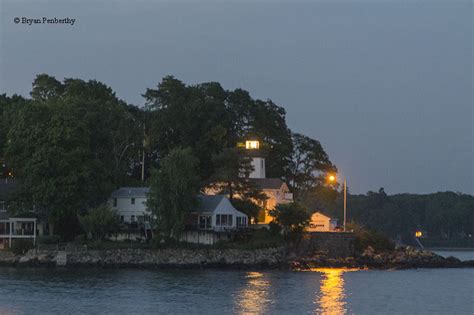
(368, 252)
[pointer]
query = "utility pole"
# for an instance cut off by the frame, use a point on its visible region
(345, 202)
(143, 154)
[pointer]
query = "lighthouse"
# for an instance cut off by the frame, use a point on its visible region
(257, 159)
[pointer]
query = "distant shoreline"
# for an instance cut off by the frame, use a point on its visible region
(451, 249)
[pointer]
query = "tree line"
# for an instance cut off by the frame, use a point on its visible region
(444, 218)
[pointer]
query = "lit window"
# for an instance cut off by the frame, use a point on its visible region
(252, 144)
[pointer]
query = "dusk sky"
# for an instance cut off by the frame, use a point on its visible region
(385, 86)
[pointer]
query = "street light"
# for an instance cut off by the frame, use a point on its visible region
(332, 179)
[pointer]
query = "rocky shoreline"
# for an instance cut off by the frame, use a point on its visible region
(268, 258)
(400, 258)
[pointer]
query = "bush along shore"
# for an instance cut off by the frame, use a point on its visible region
(272, 258)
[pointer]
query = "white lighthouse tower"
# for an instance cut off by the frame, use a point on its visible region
(258, 162)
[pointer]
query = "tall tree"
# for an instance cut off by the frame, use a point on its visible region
(231, 176)
(188, 116)
(309, 164)
(173, 191)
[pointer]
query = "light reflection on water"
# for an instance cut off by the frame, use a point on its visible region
(253, 298)
(331, 298)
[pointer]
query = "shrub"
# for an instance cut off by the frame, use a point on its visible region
(368, 237)
(21, 246)
(81, 239)
(99, 222)
(292, 218)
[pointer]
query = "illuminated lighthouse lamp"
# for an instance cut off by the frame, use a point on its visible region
(252, 144)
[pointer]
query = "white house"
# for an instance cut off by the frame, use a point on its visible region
(214, 219)
(277, 192)
(130, 204)
(321, 223)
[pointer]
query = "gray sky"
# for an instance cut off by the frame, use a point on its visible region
(386, 86)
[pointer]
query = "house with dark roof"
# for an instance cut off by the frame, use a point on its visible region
(277, 192)
(214, 219)
(130, 204)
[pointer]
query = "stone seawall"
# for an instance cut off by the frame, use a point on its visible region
(331, 245)
(269, 257)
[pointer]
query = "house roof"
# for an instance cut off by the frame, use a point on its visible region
(209, 203)
(123, 192)
(268, 183)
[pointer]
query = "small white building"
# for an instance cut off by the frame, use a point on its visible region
(321, 223)
(214, 219)
(130, 204)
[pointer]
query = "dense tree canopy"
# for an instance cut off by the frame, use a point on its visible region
(67, 147)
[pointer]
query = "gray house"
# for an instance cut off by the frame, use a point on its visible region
(214, 219)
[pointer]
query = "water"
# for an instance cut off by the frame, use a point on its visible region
(322, 291)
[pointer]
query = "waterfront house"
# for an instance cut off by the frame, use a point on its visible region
(214, 219)
(321, 223)
(130, 204)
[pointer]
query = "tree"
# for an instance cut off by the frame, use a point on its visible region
(292, 218)
(188, 116)
(308, 166)
(250, 208)
(263, 120)
(231, 177)
(173, 191)
(99, 222)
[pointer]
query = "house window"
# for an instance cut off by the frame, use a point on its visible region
(2, 206)
(115, 202)
(132, 201)
(121, 218)
(262, 166)
(205, 222)
(132, 218)
(224, 219)
(241, 221)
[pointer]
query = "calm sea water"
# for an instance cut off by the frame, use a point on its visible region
(322, 291)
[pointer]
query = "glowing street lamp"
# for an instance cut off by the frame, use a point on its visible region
(332, 179)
